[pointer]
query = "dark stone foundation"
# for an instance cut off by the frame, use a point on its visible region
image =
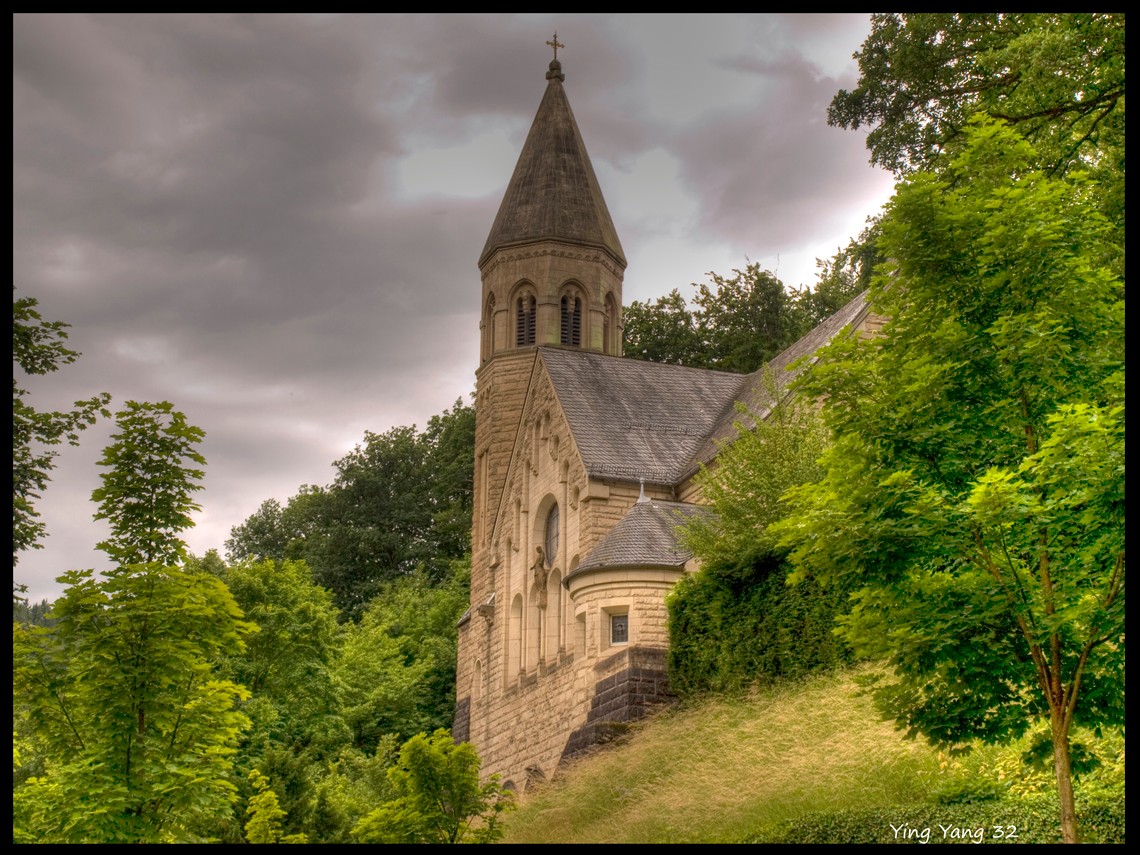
(632, 682)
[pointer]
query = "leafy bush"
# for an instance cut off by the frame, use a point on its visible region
(731, 627)
(439, 798)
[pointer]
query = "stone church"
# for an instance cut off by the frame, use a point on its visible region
(584, 467)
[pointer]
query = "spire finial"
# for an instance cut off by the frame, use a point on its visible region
(642, 498)
(556, 45)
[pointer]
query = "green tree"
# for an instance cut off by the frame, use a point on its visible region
(397, 669)
(975, 487)
(262, 537)
(450, 472)
(744, 484)
(1058, 78)
(38, 348)
(741, 321)
(353, 785)
(373, 522)
(439, 798)
(147, 489)
(291, 657)
(265, 815)
(841, 278)
(32, 613)
(745, 319)
(121, 697)
(400, 500)
(662, 331)
(289, 665)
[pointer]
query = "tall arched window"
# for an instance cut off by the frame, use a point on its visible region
(525, 320)
(572, 320)
(550, 540)
(514, 641)
(609, 326)
(553, 629)
(489, 328)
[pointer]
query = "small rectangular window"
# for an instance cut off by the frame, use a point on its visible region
(619, 629)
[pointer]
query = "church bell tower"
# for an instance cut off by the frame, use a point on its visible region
(552, 272)
(552, 265)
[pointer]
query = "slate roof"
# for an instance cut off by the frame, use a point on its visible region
(645, 536)
(553, 193)
(634, 420)
(757, 392)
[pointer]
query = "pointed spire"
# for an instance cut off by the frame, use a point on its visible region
(554, 193)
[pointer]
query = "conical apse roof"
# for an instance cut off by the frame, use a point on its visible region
(554, 194)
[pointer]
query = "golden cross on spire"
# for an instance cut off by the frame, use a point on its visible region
(556, 45)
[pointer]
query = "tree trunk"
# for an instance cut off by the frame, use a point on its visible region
(1064, 779)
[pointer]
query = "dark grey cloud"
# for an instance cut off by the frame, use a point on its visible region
(273, 221)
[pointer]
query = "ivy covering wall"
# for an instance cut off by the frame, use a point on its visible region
(731, 627)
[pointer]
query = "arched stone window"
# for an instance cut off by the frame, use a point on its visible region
(609, 326)
(525, 317)
(514, 640)
(550, 537)
(572, 320)
(554, 600)
(489, 328)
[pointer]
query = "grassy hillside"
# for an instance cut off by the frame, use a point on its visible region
(726, 769)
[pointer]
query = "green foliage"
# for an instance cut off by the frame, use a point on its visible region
(744, 484)
(265, 815)
(122, 700)
(401, 500)
(349, 789)
(1032, 820)
(737, 324)
(37, 348)
(371, 525)
(975, 487)
(844, 276)
(746, 319)
(147, 490)
(1058, 78)
(32, 613)
(320, 689)
(262, 537)
(439, 798)
(731, 628)
(450, 470)
(289, 663)
(397, 669)
(737, 622)
(662, 331)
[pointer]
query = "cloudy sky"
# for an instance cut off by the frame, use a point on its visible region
(273, 221)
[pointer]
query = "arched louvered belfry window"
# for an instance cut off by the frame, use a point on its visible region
(525, 320)
(572, 320)
(550, 540)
